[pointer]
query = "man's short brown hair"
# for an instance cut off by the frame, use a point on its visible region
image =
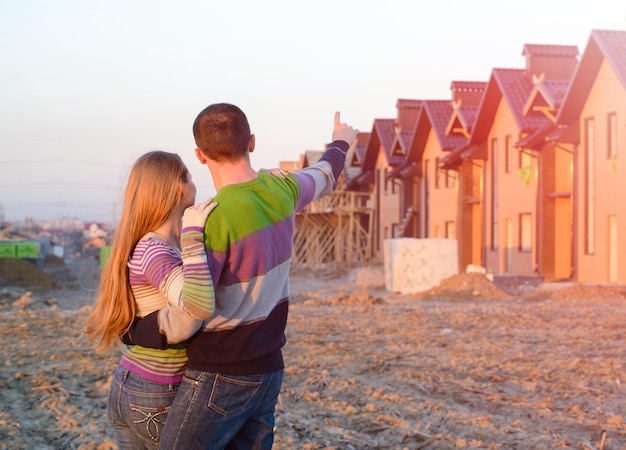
(222, 132)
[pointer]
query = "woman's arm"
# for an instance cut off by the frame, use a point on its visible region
(188, 288)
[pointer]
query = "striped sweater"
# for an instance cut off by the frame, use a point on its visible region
(249, 241)
(180, 284)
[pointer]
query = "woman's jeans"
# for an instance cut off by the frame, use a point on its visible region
(214, 411)
(137, 409)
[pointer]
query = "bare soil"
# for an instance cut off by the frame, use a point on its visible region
(512, 364)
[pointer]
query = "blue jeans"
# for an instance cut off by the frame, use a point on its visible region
(214, 411)
(137, 409)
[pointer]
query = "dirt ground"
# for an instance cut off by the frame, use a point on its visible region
(470, 364)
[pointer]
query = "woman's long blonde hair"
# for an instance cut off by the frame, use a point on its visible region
(155, 188)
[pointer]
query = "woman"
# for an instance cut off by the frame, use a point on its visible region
(148, 271)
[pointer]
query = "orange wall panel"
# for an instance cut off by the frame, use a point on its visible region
(607, 95)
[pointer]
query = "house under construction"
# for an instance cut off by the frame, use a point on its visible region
(334, 232)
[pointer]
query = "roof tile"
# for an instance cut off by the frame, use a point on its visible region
(549, 50)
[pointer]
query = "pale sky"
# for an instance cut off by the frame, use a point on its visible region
(86, 87)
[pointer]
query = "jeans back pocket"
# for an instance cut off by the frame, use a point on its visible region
(148, 421)
(231, 394)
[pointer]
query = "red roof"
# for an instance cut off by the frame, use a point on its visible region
(435, 115)
(548, 93)
(514, 86)
(439, 113)
(468, 85)
(408, 103)
(602, 45)
(383, 134)
(549, 50)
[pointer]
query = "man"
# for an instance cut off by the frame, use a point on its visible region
(235, 368)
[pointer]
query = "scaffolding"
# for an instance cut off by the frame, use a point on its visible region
(335, 232)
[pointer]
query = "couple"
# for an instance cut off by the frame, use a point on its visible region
(203, 306)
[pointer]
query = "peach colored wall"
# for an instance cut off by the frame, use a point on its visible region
(607, 95)
(389, 206)
(443, 200)
(514, 197)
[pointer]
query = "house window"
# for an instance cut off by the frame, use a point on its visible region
(590, 185)
(525, 160)
(390, 182)
(450, 229)
(437, 173)
(494, 196)
(525, 232)
(611, 136)
(450, 178)
(383, 173)
(508, 154)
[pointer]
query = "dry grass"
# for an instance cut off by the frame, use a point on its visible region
(465, 365)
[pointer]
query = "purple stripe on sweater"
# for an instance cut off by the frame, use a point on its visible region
(307, 190)
(129, 364)
(335, 154)
(246, 260)
(192, 228)
(152, 261)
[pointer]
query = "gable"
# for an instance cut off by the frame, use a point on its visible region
(602, 45)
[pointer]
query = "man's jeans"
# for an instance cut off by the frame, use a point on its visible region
(214, 411)
(137, 409)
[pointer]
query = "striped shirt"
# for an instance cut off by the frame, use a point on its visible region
(249, 241)
(161, 277)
